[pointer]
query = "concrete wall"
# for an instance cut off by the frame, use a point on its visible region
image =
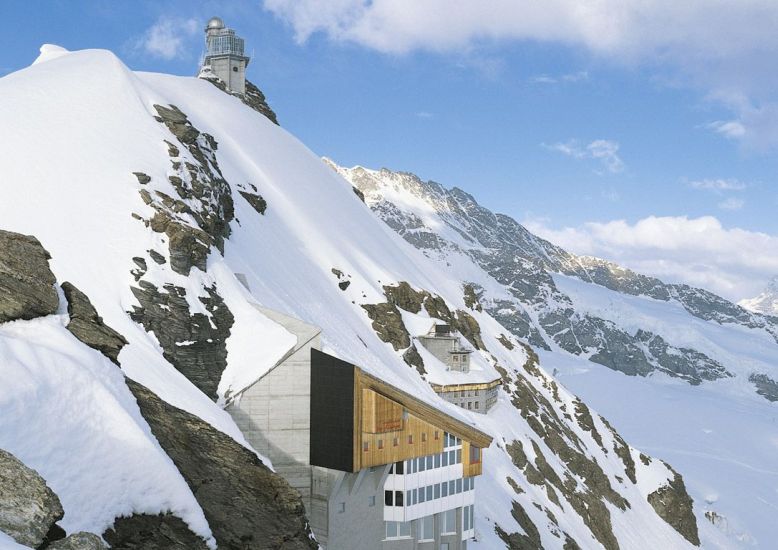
(232, 71)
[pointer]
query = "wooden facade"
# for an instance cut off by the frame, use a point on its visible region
(466, 387)
(472, 461)
(378, 423)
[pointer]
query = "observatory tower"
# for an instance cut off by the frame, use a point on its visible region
(224, 56)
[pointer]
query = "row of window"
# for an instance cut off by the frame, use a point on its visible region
(450, 440)
(430, 492)
(425, 527)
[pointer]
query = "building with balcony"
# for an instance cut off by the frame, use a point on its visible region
(376, 466)
(463, 379)
(224, 56)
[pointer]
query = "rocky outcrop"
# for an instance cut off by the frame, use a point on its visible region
(152, 532)
(246, 504)
(256, 201)
(674, 505)
(28, 507)
(80, 541)
(413, 359)
(518, 541)
(765, 386)
(86, 325)
(388, 324)
(194, 343)
(203, 195)
(26, 282)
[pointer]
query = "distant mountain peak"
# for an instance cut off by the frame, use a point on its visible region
(766, 302)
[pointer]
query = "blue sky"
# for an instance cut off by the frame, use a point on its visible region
(645, 123)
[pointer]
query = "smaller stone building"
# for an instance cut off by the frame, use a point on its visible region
(474, 389)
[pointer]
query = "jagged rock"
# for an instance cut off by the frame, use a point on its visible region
(472, 300)
(28, 507)
(505, 342)
(86, 325)
(518, 541)
(414, 359)
(78, 541)
(26, 282)
(195, 344)
(765, 386)
(177, 122)
(359, 194)
(246, 504)
(157, 257)
(149, 532)
(143, 179)
(256, 201)
(388, 324)
(674, 505)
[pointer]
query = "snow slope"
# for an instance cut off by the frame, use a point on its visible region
(721, 435)
(766, 302)
(79, 124)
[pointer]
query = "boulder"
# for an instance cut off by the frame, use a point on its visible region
(150, 532)
(78, 541)
(28, 507)
(26, 282)
(86, 325)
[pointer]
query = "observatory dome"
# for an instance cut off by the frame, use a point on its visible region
(215, 23)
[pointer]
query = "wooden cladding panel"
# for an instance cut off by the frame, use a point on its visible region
(382, 450)
(469, 468)
(380, 414)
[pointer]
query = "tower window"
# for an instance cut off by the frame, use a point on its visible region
(234, 69)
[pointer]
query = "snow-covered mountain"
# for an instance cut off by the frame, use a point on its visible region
(766, 302)
(130, 204)
(702, 370)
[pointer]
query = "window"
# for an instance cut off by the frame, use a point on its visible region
(459, 485)
(429, 462)
(452, 457)
(423, 437)
(421, 495)
(444, 489)
(456, 358)
(429, 492)
(469, 405)
(405, 529)
(452, 487)
(389, 498)
(437, 461)
(437, 435)
(398, 529)
(475, 393)
(459, 456)
(449, 520)
(476, 405)
(467, 518)
(365, 446)
(415, 496)
(395, 441)
(427, 528)
(371, 500)
(234, 69)
(380, 444)
(445, 459)
(415, 465)
(475, 455)
(399, 467)
(398, 498)
(437, 490)
(422, 464)
(410, 439)
(341, 507)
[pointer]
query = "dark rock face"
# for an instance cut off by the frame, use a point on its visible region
(28, 507)
(256, 201)
(518, 541)
(193, 343)
(86, 325)
(143, 179)
(674, 505)
(26, 282)
(413, 359)
(253, 97)
(78, 541)
(147, 532)
(200, 183)
(388, 324)
(765, 386)
(247, 505)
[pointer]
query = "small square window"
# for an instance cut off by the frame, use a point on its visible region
(366, 446)
(341, 507)
(371, 500)
(399, 467)
(437, 435)
(410, 439)
(395, 441)
(398, 498)
(423, 437)
(380, 444)
(388, 498)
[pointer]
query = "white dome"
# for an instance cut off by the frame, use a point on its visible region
(215, 23)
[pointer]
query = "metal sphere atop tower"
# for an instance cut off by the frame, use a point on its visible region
(214, 23)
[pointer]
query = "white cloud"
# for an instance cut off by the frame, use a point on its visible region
(603, 150)
(718, 185)
(424, 115)
(732, 204)
(732, 262)
(571, 78)
(167, 38)
(725, 48)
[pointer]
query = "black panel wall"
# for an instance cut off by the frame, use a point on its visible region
(332, 412)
